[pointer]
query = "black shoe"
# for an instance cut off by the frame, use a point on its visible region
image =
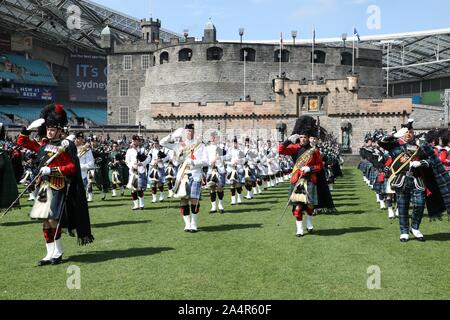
(193, 231)
(404, 240)
(212, 212)
(142, 208)
(299, 235)
(44, 263)
(310, 230)
(222, 211)
(421, 239)
(56, 261)
(187, 231)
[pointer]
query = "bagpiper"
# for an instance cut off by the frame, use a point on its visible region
(192, 153)
(309, 189)
(60, 198)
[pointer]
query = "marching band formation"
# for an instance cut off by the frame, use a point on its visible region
(60, 171)
(403, 170)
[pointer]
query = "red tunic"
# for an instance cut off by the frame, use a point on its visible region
(63, 162)
(315, 163)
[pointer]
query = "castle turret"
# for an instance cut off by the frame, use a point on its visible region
(150, 30)
(210, 32)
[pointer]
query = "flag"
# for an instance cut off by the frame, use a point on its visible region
(314, 36)
(281, 41)
(355, 32)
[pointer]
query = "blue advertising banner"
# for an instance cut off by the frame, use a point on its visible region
(30, 92)
(87, 78)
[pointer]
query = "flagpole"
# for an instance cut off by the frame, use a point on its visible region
(312, 54)
(281, 51)
(353, 55)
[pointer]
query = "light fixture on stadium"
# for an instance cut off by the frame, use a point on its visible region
(344, 38)
(294, 34)
(241, 33)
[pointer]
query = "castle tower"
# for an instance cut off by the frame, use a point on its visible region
(210, 32)
(106, 38)
(150, 29)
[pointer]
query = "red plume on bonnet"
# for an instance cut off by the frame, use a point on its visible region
(54, 116)
(59, 108)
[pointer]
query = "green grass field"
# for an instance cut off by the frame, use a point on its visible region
(240, 255)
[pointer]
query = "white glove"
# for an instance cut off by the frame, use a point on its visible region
(45, 171)
(178, 133)
(306, 169)
(294, 138)
(415, 164)
(36, 124)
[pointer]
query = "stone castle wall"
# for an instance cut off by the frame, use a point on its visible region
(200, 80)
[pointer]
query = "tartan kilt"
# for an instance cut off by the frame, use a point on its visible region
(367, 170)
(313, 197)
(142, 181)
(194, 189)
(379, 188)
(362, 165)
(373, 174)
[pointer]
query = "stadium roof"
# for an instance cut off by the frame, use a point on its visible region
(48, 21)
(407, 56)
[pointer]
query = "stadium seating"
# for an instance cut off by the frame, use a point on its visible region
(30, 112)
(8, 75)
(96, 115)
(34, 71)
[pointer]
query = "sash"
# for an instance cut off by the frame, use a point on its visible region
(301, 162)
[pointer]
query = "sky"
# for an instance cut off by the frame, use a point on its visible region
(266, 19)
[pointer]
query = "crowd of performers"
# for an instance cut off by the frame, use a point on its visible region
(60, 170)
(405, 169)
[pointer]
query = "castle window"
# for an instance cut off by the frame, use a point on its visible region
(214, 54)
(145, 61)
(346, 59)
(185, 55)
(284, 56)
(127, 62)
(164, 57)
(251, 54)
(319, 56)
(123, 88)
(124, 115)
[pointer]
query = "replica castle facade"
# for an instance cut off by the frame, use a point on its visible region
(235, 86)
